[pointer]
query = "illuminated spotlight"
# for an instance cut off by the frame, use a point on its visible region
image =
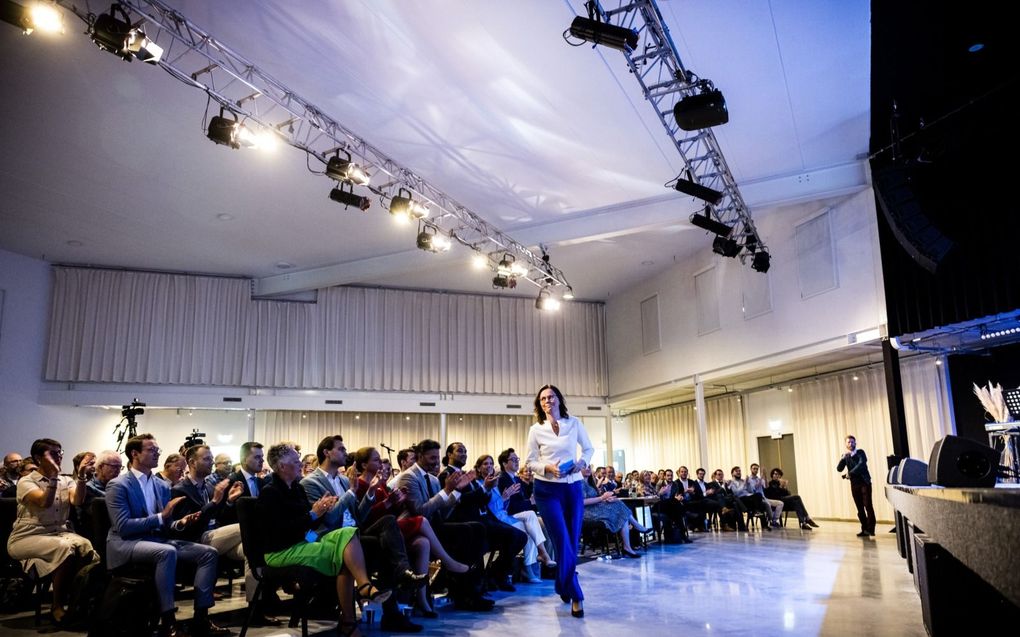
(505, 277)
(120, 38)
(706, 222)
(569, 294)
(546, 301)
(348, 198)
(702, 110)
(430, 239)
(597, 32)
(479, 261)
(231, 132)
(404, 209)
(37, 16)
(761, 261)
(704, 193)
(726, 247)
(346, 170)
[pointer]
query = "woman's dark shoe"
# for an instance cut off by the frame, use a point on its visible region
(805, 527)
(630, 554)
(372, 594)
(811, 522)
(577, 609)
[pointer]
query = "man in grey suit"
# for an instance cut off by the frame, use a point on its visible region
(466, 541)
(140, 511)
(352, 509)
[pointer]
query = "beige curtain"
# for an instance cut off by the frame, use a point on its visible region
(926, 404)
(665, 438)
(825, 412)
(487, 434)
(307, 428)
(727, 434)
(143, 327)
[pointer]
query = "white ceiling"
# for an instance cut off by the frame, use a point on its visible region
(552, 144)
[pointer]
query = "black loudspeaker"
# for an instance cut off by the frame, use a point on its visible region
(961, 462)
(912, 472)
(922, 241)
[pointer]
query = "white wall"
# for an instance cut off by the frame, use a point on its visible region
(795, 326)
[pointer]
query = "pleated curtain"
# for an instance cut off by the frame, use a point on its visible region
(665, 438)
(307, 428)
(143, 327)
(488, 434)
(727, 434)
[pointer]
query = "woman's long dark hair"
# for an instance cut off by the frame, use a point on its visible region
(539, 414)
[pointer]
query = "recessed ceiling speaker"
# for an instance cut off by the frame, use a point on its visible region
(961, 462)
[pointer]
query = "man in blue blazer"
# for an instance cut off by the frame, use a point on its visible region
(141, 514)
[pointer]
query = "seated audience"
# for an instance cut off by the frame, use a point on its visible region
(253, 461)
(608, 482)
(173, 470)
(141, 513)
(222, 466)
(703, 500)
(777, 490)
(41, 538)
(746, 501)
(308, 464)
(405, 460)
(10, 473)
(730, 511)
(525, 521)
(288, 523)
(607, 510)
(756, 485)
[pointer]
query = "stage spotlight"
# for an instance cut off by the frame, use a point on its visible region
(726, 247)
(230, 132)
(706, 222)
(697, 190)
(569, 294)
(37, 16)
(431, 240)
(479, 261)
(703, 110)
(403, 208)
(348, 198)
(118, 37)
(596, 32)
(506, 276)
(761, 261)
(546, 301)
(346, 170)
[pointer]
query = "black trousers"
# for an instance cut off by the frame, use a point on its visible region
(865, 511)
(506, 541)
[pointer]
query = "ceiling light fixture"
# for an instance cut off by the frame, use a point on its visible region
(546, 301)
(346, 170)
(706, 222)
(479, 261)
(348, 198)
(120, 38)
(506, 272)
(430, 239)
(403, 208)
(569, 294)
(37, 16)
(704, 109)
(598, 32)
(761, 261)
(231, 132)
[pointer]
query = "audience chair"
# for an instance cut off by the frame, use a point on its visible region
(597, 536)
(302, 580)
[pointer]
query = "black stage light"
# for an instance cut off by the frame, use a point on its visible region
(704, 193)
(117, 36)
(346, 170)
(706, 222)
(615, 37)
(224, 131)
(726, 247)
(348, 198)
(403, 208)
(703, 110)
(546, 301)
(431, 240)
(761, 261)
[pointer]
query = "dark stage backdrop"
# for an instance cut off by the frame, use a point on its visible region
(957, 112)
(999, 365)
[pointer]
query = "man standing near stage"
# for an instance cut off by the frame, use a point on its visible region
(856, 464)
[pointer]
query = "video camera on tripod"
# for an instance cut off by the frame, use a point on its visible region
(127, 427)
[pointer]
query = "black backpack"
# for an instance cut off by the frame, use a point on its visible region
(87, 590)
(128, 609)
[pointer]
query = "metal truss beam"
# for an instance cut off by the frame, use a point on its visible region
(196, 58)
(664, 80)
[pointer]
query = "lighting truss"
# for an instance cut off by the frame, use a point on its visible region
(664, 80)
(196, 58)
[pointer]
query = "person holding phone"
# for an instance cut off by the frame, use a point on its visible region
(855, 462)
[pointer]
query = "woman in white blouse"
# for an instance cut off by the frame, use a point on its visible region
(552, 457)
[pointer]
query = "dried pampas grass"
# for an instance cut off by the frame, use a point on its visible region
(992, 400)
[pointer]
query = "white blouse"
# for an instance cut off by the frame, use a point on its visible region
(545, 447)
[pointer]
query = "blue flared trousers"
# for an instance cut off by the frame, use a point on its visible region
(561, 506)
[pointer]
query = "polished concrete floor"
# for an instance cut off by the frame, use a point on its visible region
(823, 582)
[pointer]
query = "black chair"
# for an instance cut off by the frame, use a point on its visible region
(10, 568)
(596, 535)
(302, 580)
